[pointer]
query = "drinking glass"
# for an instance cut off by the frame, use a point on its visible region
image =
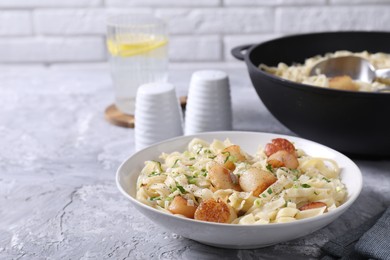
(138, 47)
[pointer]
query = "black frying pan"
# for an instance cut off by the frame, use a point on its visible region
(356, 123)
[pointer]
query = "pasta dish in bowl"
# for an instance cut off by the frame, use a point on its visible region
(265, 188)
(219, 182)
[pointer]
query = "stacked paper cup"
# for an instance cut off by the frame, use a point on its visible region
(158, 114)
(209, 102)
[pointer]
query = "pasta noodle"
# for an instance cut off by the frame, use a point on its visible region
(183, 182)
(300, 72)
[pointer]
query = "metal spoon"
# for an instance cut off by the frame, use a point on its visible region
(355, 67)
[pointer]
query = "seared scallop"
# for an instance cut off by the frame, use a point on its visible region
(256, 180)
(222, 178)
(278, 144)
(313, 205)
(180, 205)
(215, 211)
(283, 158)
(229, 156)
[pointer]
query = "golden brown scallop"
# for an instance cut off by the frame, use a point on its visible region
(256, 180)
(343, 83)
(215, 211)
(283, 158)
(179, 205)
(222, 178)
(313, 205)
(278, 144)
(229, 156)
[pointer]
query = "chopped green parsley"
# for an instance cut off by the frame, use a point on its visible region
(270, 168)
(154, 173)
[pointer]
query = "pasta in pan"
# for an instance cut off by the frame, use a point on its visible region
(300, 72)
(219, 182)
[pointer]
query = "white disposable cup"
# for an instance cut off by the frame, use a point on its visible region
(158, 114)
(209, 102)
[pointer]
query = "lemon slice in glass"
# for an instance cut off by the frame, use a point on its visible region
(134, 44)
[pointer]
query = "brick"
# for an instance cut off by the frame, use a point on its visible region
(163, 3)
(218, 20)
(76, 21)
(103, 66)
(307, 19)
(52, 49)
(302, 2)
(176, 20)
(130, 11)
(195, 48)
(231, 41)
(355, 2)
(49, 3)
(272, 3)
(19, 67)
(64, 22)
(15, 23)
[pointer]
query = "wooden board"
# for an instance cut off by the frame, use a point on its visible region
(116, 117)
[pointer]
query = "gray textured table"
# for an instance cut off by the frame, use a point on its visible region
(58, 157)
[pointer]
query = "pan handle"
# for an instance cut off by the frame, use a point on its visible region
(237, 51)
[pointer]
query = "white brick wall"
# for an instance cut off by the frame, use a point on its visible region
(15, 23)
(218, 21)
(163, 3)
(72, 31)
(231, 41)
(52, 49)
(49, 3)
(306, 19)
(87, 21)
(201, 48)
(273, 3)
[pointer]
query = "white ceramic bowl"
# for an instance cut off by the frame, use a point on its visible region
(237, 236)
